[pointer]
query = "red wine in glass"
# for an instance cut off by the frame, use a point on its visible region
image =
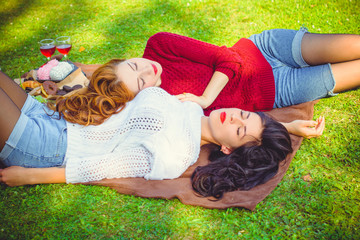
(48, 50)
(64, 48)
(47, 47)
(63, 45)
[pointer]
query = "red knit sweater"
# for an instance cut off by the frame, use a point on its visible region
(189, 64)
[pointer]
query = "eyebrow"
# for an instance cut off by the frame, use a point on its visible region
(241, 113)
(138, 83)
(247, 117)
(128, 63)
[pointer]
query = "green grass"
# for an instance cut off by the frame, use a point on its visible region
(327, 207)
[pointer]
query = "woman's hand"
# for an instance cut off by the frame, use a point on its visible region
(306, 129)
(18, 176)
(201, 100)
(15, 176)
(217, 82)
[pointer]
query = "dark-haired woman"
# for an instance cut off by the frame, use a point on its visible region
(154, 136)
(246, 167)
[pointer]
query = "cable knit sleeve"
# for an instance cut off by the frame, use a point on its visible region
(172, 46)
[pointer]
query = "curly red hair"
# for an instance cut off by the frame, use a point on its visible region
(105, 96)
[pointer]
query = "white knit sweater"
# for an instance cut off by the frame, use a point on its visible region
(155, 137)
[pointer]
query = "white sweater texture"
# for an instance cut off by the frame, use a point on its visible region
(155, 136)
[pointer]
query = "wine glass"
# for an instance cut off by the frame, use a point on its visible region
(47, 47)
(63, 45)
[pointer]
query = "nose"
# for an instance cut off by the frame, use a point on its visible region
(235, 119)
(145, 72)
(145, 69)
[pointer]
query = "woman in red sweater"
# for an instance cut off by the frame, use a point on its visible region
(275, 68)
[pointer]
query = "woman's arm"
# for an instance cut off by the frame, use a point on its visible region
(221, 60)
(213, 89)
(169, 45)
(307, 129)
(18, 176)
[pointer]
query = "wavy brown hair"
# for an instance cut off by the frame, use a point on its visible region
(104, 96)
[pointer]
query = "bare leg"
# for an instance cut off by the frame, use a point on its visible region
(12, 90)
(347, 75)
(9, 115)
(12, 98)
(341, 50)
(319, 49)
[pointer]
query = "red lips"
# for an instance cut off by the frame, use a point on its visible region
(222, 117)
(155, 68)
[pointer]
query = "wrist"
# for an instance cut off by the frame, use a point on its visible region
(289, 127)
(31, 176)
(206, 101)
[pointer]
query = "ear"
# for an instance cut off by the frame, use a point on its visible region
(225, 150)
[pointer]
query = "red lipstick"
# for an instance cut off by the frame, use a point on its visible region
(155, 68)
(222, 117)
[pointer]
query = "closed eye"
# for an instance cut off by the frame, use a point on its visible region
(134, 67)
(238, 131)
(143, 82)
(242, 116)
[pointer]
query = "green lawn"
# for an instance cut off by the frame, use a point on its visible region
(325, 206)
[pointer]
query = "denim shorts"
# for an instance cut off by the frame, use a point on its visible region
(37, 140)
(295, 81)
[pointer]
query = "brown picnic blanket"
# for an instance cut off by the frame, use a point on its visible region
(181, 187)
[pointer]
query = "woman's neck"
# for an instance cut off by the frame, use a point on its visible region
(206, 135)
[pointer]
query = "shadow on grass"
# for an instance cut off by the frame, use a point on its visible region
(18, 9)
(127, 33)
(82, 211)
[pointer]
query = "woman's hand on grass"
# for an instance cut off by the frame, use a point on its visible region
(306, 128)
(18, 176)
(15, 176)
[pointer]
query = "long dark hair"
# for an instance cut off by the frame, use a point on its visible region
(247, 166)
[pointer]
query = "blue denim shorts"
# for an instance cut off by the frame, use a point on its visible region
(37, 140)
(295, 81)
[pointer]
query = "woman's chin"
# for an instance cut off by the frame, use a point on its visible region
(158, 83)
